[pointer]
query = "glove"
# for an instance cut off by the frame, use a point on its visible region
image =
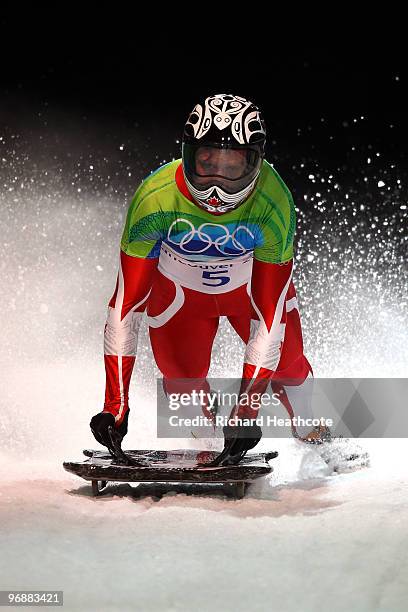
(238, 440)
(102, 421)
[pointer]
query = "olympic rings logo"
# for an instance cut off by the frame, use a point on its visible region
(205, 238)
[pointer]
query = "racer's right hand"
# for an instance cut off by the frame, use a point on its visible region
(101, 422)
(99, 426)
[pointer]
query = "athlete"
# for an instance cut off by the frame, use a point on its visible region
(206, 236)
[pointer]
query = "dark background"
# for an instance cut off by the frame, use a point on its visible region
(125, 68)
(329, 103)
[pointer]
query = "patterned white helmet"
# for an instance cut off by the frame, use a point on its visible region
(223, 149)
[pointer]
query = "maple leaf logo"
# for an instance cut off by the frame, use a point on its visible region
(213, 201)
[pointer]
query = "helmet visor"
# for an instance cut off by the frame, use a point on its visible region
(206, 162)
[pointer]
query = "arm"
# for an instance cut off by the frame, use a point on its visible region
(139, 256)
(125, 311)
(271, 277)
(269, 285)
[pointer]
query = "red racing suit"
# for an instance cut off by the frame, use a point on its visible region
(185, 297)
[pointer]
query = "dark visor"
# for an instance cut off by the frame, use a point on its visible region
(228, 163)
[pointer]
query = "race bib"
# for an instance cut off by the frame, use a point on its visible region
(218, 276)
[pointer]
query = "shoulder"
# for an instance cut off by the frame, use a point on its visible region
(272, 186)
(276, 198)
(156, 183)
(277, 216)
(143, 219)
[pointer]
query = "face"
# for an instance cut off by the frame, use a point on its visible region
(228, 163)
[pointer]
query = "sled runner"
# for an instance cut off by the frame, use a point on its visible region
(185, 465)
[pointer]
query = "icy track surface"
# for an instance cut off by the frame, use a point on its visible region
(303, 539)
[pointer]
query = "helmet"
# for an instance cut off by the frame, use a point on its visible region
(222, 151)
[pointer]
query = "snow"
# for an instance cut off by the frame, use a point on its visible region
(301, 539)
(303, 536)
